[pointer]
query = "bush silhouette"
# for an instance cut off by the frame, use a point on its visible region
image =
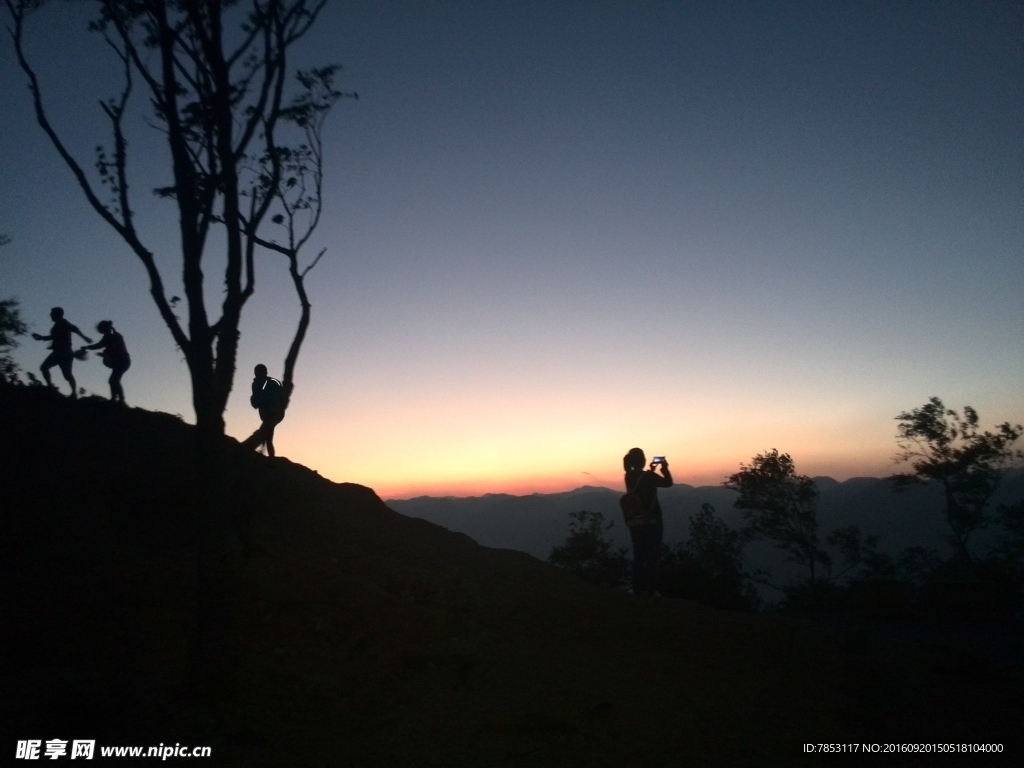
(11, 327)
(708, 568)
(589, 554)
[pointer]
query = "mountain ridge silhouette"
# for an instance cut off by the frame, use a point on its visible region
(537, 522)
(373, 639)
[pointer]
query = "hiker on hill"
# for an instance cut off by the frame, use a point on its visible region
(645, 523)
(61, 353)
(268, 396)
(115, 356)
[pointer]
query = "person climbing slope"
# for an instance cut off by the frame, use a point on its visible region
(268, 397)
(61, 353)
(115, 356)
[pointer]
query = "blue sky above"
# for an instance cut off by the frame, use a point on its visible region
(557, 230)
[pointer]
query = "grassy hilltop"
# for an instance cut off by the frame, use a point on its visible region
(365, 638)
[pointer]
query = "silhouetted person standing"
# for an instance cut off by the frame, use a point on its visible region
(268, 397)
(61, 353)
(115, 356)
(646, 535)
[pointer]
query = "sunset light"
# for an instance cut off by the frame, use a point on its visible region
(551, 239)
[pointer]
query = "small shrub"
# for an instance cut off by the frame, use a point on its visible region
(589, 554)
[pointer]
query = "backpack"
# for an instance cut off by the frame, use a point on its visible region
(636, 511)
(116, 351)
(270, 396)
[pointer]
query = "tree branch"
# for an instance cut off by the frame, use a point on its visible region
(124, 229)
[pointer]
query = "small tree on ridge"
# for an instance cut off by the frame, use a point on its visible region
(949, 450)
(781, 506)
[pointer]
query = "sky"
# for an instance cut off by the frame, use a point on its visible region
(557, 230)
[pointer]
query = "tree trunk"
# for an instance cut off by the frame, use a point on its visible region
(214, 670)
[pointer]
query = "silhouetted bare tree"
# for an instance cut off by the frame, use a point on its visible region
(215, 73)
(297, 195)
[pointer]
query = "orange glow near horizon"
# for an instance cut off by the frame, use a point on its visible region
(479, 450)
(477, 433)
(525, 486)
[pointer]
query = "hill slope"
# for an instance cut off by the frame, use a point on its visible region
(365, 638)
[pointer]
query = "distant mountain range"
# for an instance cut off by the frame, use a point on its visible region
(538, 522)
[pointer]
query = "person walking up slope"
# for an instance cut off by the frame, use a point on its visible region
(61, 353)
(268, 398)
(115, 356)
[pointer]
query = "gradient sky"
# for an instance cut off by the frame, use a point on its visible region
(557, 230)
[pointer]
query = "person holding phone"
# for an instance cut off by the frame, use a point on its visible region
(646, 536)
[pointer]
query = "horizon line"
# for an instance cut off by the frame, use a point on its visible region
(411, 497)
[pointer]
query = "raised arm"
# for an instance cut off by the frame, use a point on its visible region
(664, 480)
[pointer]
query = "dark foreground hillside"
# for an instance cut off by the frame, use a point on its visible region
(365, 638)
